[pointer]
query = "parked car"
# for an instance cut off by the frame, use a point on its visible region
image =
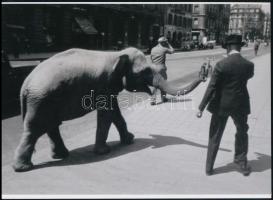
(211, 44)
(187, 45)
(195, 44)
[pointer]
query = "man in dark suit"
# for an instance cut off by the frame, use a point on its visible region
(227, 95)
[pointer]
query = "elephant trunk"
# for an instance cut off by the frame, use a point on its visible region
(166, 87)
(162, 84)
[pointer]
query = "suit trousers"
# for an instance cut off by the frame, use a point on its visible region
(217, 127)
(163, 73)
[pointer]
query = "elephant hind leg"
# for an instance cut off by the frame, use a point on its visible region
(24, 151)
(59, 151)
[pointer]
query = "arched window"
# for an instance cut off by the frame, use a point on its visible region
(195, 21)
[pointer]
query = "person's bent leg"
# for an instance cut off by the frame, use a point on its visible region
(163, 73)
(153, 96)
(217, 127)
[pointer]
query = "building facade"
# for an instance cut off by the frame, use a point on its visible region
(211, 21)
(177, 23)
(247, 20)
(96, 26)
(267, 26)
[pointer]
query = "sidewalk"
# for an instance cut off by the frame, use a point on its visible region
(168, 156)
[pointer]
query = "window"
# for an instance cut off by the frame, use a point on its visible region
(180, 21)
(170, 19)
(190, 8)
(195, 21)
(196, 8)
(175, 20)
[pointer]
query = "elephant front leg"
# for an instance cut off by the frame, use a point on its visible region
(125, 136)
(59, 151)
(104, 120)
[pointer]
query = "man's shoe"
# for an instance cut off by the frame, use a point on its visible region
(244, 168)
(209, 172)
(153, 103)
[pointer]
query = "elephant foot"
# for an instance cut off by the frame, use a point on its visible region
(22, 167)
(60, 154)
(127, 139)
(101, 149)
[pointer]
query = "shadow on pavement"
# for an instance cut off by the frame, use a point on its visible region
(85, 155)
(260, 164)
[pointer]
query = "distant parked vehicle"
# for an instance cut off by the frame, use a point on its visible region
(211, 44)
(187, 46)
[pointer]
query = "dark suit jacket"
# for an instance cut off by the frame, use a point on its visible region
(227, 90)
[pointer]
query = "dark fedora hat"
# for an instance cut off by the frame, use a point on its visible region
(233, 39)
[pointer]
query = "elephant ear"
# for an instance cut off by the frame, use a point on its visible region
(121, 67)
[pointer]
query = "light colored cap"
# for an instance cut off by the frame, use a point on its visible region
(162, 39)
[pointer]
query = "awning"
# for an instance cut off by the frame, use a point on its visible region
(15, 26)
(86, 26)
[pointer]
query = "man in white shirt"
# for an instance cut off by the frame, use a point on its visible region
(158, 57)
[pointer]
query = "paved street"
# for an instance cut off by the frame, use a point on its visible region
(168, 155)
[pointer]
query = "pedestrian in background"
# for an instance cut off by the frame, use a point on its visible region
(256, 46)
(227, 95)
(158, 57)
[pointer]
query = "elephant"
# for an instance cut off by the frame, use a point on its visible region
(53, 93)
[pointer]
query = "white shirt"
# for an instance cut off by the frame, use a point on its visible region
(158, 54)
(233, 52)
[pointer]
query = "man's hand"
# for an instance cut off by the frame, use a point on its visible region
(199, 114)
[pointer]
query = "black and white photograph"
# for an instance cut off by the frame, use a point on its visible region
(136, 100)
